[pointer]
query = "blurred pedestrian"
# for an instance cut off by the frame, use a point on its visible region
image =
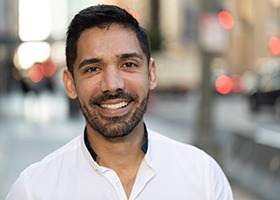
(110, 71)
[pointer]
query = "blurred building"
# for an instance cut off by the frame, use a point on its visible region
(256, 22)
(174, 28)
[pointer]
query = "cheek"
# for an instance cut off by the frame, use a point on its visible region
(85, 91)
(139, 85)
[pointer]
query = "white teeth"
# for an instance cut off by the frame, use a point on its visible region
(114, 106)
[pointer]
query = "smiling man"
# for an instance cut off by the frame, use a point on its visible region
(110, 71)
(111, 79)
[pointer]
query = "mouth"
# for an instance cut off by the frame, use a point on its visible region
(114, 106)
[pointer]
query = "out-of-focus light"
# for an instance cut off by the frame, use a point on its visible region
(134, 14)
(36, 73)
(57, 52)
(224, 84)
(274, 45)
(40, 70)
(237, 83)
(29, 53)
(226, 20)
(34, 19)
(49, 68)
(60, 16)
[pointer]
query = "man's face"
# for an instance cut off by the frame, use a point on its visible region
(111, 80)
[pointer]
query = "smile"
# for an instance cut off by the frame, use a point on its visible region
(114, 106)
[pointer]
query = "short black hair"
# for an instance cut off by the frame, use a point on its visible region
(102, 16)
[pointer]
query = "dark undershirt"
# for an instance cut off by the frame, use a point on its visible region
(94, 155)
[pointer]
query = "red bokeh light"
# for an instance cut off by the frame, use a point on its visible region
(226, 20)
(49, 68)
(274, 45)
(36, 73)
(40, 70)
(237, 83)
(224, 84)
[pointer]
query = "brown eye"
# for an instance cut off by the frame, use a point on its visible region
(130, 65)
(91, 69)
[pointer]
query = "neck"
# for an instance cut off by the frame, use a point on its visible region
(124, 155)
(118, 152)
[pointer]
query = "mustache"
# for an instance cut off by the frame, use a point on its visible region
(119, 94)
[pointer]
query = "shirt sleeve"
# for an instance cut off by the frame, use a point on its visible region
(18, 190)
(219, 187)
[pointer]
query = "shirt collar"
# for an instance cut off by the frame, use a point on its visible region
(89, 148)
(94, 155)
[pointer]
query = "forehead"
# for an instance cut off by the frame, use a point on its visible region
(111, 40)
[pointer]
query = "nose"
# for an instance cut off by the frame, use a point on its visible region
(112, 80)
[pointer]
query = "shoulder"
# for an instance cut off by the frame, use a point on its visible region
(38, 174)
(167, 149)
(161, 141)
(188, 162)
(56, 158)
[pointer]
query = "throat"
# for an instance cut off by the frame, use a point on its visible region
(128, 183)
(127, 175)
(126, 167)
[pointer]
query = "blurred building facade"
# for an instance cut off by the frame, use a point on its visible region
(255, 23)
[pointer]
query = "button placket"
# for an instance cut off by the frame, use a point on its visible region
(145, 174)
(115, 181)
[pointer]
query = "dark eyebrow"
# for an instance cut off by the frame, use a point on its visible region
(131, 55)
(89, 61)
(122, 56)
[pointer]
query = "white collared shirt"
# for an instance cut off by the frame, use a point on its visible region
(170, 170)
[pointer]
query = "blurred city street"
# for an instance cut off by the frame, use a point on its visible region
(24, 142)
(218, 83)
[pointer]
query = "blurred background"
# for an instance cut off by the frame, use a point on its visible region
(218, 83)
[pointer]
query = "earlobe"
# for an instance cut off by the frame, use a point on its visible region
(69, 84)
(153, 77)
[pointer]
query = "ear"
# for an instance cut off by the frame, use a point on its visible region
(69, 84)
(152, 72)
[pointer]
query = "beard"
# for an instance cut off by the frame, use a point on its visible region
(116, 126)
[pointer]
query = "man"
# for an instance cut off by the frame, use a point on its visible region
(111, 73)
